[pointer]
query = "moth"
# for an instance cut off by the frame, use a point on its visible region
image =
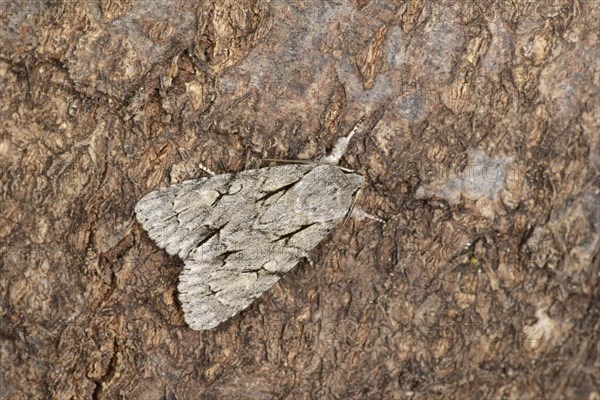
(239, 233)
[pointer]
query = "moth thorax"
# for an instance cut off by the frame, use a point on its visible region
(326, 193)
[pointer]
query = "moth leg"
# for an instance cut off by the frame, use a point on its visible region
(361, 214)
(310, 261)
(304, 254)
(206, 169)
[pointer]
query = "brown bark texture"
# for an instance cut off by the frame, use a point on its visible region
(481, 151)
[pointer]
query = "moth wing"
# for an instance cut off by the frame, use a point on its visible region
(182, 216)
(216, 284)
(173, 216)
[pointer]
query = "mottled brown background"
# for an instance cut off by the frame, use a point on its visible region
(481, 150)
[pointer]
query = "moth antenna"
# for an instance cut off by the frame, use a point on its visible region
(281, 160)
(305, 162)
(341, 145)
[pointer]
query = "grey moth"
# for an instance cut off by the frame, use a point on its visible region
(239, 233)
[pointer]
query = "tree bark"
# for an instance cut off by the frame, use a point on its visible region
(480, 150)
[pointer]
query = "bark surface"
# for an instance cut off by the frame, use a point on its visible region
(481, 150)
